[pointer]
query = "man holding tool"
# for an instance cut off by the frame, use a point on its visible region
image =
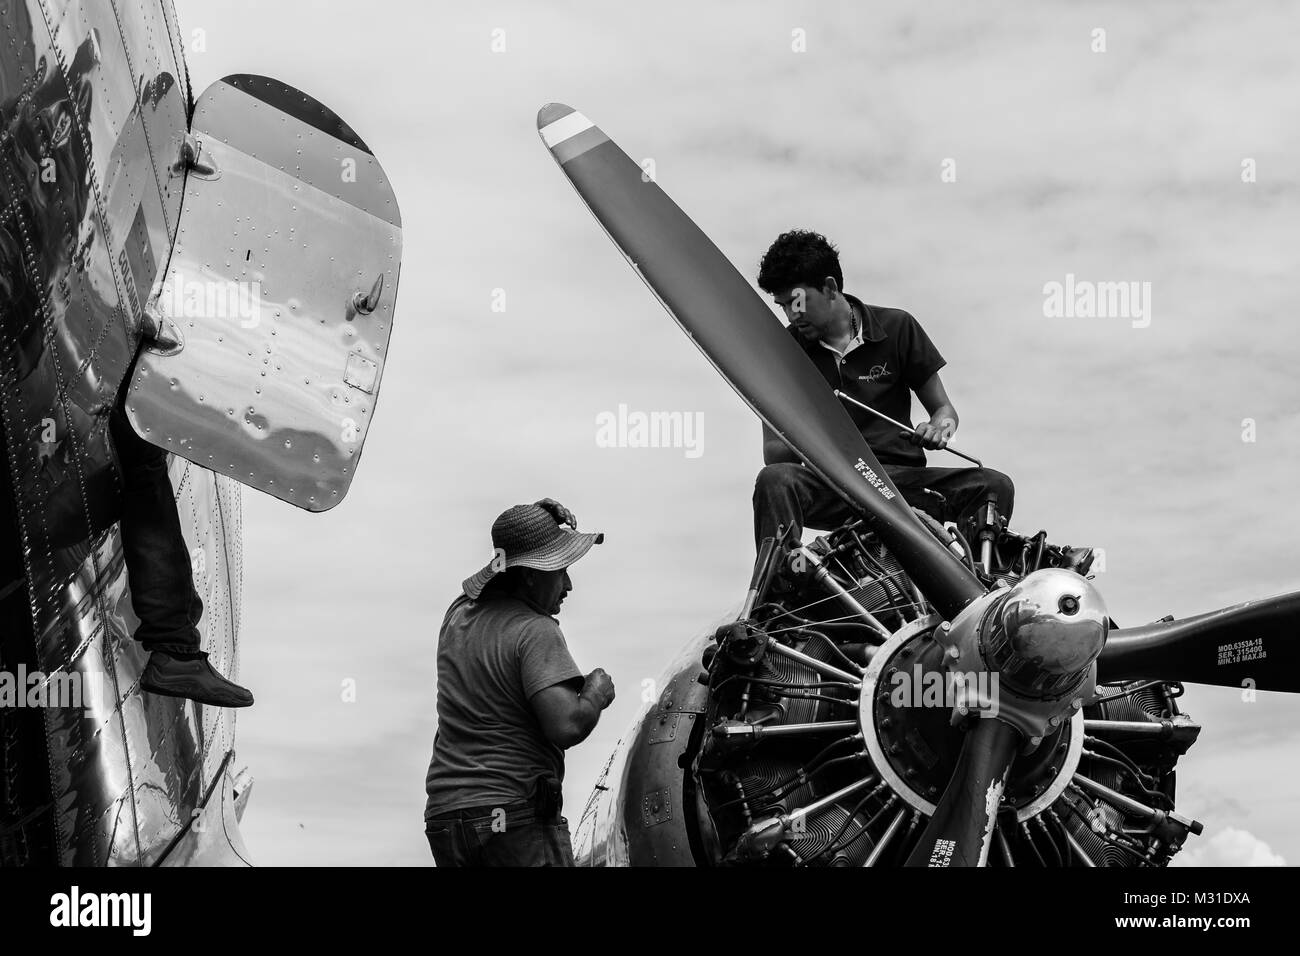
(873, 358)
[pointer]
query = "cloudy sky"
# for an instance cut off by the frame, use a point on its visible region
(1117, 165)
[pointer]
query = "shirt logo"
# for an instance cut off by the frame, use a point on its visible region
(876, 373)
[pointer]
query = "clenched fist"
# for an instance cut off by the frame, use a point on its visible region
(598, 688)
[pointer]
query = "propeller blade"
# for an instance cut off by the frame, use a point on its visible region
(746, 343)
(961, 830)
(1255, 641)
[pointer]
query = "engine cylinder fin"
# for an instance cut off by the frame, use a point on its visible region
(819, 832)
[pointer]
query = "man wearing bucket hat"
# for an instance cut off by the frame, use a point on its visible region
(510, 700)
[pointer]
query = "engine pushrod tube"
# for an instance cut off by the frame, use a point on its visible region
(1129, 727)
(1074, 844)
(827, 800)
(762, 567)
(1134, 807)
(788, 730)
(821, 667)
(823, 577)
(886, 838)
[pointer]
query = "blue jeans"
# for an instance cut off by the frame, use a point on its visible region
(157, 561)
(510, 835)
(792, 495)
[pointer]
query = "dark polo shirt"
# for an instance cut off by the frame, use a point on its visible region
(894, 359)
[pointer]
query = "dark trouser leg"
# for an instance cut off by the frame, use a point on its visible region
(964, 491)
(157, 561)
(790, 495)
(506, 836)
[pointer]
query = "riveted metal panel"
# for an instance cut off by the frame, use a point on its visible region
(656, 807)
(662, 727)
(654, 811)
(636, 814)
(281, 290)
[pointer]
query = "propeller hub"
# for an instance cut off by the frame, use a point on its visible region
(1045, 632)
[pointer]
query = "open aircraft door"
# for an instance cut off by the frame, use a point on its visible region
(273, 318)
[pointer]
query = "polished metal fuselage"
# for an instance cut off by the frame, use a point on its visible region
(93, 110)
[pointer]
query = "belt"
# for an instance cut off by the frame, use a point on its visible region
(469, 813)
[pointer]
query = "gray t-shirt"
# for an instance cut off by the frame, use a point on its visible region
(493, 655)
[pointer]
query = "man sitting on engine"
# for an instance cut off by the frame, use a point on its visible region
(878, 356)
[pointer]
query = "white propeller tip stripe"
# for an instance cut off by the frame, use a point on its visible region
(566, 127)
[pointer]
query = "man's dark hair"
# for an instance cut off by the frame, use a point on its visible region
(799, 257)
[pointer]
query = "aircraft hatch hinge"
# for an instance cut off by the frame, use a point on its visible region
(195, 160)
(366, 302)
(162, 336)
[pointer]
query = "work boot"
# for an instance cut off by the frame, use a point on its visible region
(192, 677)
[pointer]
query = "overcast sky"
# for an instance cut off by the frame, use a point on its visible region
(1122, 165)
